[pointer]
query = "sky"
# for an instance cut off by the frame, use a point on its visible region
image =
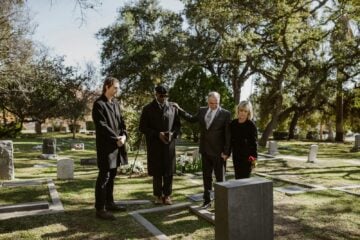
(60, 29)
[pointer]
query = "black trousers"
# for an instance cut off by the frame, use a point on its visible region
(104, 188)
(162, 185)
(242, 168)
(210, 164)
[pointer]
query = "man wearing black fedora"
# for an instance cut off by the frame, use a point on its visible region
(160, 123)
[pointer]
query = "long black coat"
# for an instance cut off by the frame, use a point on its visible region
(109, 125)
(161, 158)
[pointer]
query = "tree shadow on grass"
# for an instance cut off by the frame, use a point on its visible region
(79, 224)
(336, 216)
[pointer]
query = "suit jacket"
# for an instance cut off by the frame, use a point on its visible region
(109, 125)
(161, 158)
(216, 139)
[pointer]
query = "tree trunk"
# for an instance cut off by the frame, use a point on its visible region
(74, 129)
(268, 130)
(339, 137)
(38, 127)
(293, 124)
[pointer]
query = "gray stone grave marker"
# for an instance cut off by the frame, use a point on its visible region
(65, 169)
(244, 209)
(356, 147)
(312, 154)
(49, 148)
(6, 160)
(273, 148)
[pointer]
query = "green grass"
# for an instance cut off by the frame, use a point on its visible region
(317, 215)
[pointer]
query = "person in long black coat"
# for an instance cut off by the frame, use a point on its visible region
(110, 147)
(160, 123)
(243, 141)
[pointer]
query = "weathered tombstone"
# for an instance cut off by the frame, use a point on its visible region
(312, 154)
(49, 146)
(77, 146)
(65, 169)
(356, 147)
(273, 149)
(244, 209)
(6, 160)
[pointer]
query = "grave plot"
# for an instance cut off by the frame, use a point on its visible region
(47, 204)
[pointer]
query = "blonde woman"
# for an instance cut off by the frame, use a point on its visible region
(243, 141)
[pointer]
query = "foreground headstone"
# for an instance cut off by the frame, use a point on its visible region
(273, 148)
(244, 209)
(6, 160)
(312, 154)
(65, 169)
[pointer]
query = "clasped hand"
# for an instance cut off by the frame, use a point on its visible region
(121, 141)
(165, 137)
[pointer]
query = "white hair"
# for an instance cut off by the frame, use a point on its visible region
(215, 95)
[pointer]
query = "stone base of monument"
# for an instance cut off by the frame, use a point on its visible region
(48, 156)
(34, 208)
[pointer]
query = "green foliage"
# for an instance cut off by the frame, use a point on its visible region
(10, 130)
(196, 84)
(90, 125)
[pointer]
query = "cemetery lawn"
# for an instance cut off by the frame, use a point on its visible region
(327, 214)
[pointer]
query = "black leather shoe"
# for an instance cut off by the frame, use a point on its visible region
(206, 205)
(115, 208)
(105, 215)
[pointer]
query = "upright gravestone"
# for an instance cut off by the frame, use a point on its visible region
(356, 147)
(49, 148)
(65, 169)
(273, 149)
(244, 209)
(6, 160)
(312, 154)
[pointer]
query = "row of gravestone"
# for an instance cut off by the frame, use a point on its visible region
(273, 148)
(65, 167)
(49, 146)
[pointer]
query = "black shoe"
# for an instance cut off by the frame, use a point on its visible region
(115, 208)
(105, 215)
(206, 205)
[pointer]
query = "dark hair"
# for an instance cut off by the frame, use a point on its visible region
(108, 82)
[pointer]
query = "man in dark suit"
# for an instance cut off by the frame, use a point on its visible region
(110, 139)
(214, 140)
(160, 123)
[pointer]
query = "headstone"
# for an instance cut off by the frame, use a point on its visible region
(195, 154)
(49, 146)
(65, 169)
(244, 209)
(273, 148)
(356, 147)
(88, 161)
(313, 153)
(6, 160)
(77, 146)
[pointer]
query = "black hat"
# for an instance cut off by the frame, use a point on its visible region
(160, 89)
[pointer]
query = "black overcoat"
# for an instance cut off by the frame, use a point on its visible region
(109, 125)
(161, 157)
